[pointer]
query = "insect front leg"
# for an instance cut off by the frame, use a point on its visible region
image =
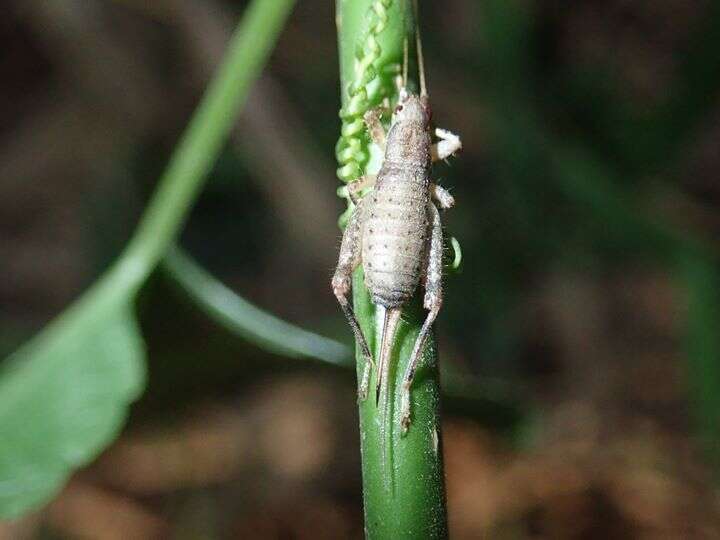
(356, 187)
(448, 144)
(432, 302)
(349, 259)
(375, 127)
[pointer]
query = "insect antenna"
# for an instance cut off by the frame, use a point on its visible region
(405, 63)
(419, 52)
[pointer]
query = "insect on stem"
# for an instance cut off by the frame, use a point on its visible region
(395, 233)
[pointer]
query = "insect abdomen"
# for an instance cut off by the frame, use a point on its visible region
(394, 235)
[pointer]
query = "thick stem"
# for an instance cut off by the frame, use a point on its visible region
(411, 502)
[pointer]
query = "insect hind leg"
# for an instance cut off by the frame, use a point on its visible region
(433, 303)
(349, 259)
(364, 385)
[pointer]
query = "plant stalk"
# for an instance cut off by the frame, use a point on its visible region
(208, 130)
(411, 502)
(185, 174)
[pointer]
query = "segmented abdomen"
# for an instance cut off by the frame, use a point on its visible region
(394, 234)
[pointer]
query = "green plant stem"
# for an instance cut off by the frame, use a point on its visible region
(198, 149)
(244, 319)
(412, 503)
(184, 176)
(208, 129)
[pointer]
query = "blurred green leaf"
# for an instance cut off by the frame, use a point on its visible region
(63, 400)
(650, 139)
(702, 342)
(598, 185)
(64, 396)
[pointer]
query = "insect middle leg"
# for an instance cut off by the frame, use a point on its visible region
(442, 196)
(349, 259)
(432, 302)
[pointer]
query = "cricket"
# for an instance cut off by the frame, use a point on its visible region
(395, 233)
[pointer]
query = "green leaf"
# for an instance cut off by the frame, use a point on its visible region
(62, 401)
(64, 396)
(702, 344)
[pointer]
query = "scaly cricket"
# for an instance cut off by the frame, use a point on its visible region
(396, 234)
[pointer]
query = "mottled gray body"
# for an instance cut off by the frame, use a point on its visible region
(396, 234)
(395, 224)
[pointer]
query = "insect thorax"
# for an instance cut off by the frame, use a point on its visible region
(408, 143)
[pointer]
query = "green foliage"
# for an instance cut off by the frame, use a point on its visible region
(703, 346)
(600, 187)
(64, 396)
(377, 28)
(62, 400)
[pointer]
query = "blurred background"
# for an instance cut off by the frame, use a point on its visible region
(587, 309)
